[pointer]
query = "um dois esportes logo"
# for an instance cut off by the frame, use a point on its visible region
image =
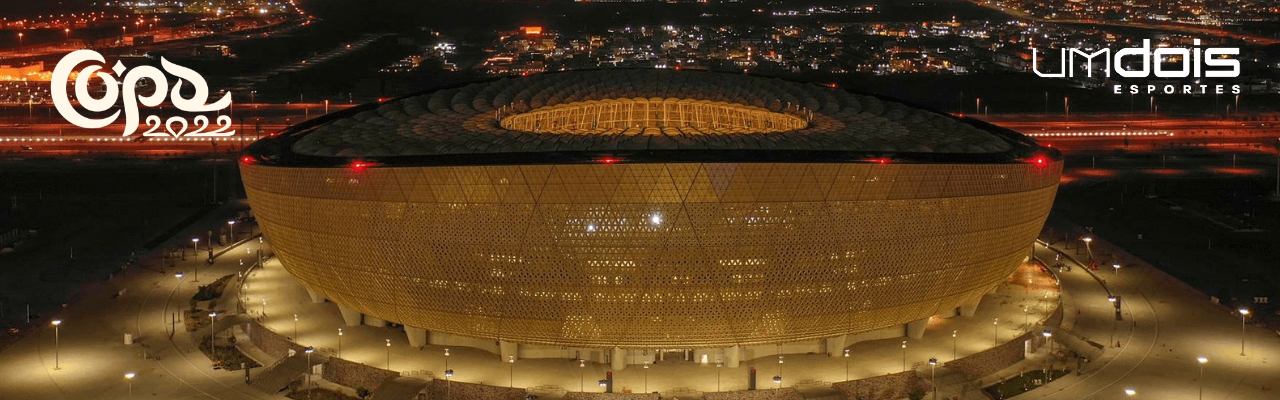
(1194, 62)
(134, 102)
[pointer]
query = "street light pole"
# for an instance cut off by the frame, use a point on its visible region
(646, 377)
(846, 365)
(129, 378)
(195, 255)
(904, 356)
(339, 342)
(511, 361)
(211, 331)
(1117, 267)
(309, 350)
(1244, 313)
(295, 328)
(996, 331)
(389, 355)
(56, 322)
(1202, 360)
(953, 344)
(933, 364)
(231, 226)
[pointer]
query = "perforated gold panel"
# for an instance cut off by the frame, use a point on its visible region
(653, 255)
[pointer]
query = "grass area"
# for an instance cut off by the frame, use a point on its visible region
(228, 356)
(319, 394)
(1021, 384)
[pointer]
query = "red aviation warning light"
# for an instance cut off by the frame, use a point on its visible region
(359, 166)
(247, 160)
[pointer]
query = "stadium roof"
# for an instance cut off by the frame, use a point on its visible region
(466, 122)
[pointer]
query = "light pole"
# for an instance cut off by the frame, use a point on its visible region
(195, 255)
(1244, 313)
(718, 365)
(1113, 300)
(904, 356)
(309, 350)
(1130, 392)
(129, 378)
(953, 344)
(1117, 268)
(996, 331)
(1202, 360)
(295, 329)
(646, 377)
(1087, 240)
(1047, 335)
(211, 331)
(231, 226)
(20, 36)
(339, 342)
(778, 378)
(389, 355)
(582, 376)
(264, 307)
(933, 365)
(448, 373)
(846, 365)
(55, 323)
(511, 362)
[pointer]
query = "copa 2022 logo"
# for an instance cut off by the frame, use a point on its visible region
(123, 87)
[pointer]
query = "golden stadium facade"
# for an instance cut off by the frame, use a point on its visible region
(649, 209)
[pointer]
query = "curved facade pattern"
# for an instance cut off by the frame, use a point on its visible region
(651, 249)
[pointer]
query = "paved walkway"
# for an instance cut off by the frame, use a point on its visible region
(91, 352)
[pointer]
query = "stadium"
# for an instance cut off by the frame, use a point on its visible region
(615, 213)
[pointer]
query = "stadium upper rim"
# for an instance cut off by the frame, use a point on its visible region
(279, 149)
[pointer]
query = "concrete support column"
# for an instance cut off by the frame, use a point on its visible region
(417, 336)
(619, 359)
(315, 297)
(835, 346)
(915, 329)
(349, 316)
(732, 356)
(967, 310)
(508, 351)
(374, 321)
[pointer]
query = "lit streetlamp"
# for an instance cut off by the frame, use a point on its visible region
(448, 373)
(55, 323)
(1244, 313)
(953, 344)
(904, 356)
(846, 365)
(511, 363)
(339, 342)
(582, 376)
(295, 329)
(1087, 240)
(195, 254)
(231, 226)
(718, 365)
(389, 355)
(211, 331)
(646, 377)
(996, 331)
(1202, 360)
(309, 350)
(1047, 336)
(1130, 392)
(933, 365)
(1117, 267)
(129, 378)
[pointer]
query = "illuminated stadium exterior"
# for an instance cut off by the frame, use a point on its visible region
(634, 210)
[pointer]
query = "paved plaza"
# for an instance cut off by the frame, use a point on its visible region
(1166, 326)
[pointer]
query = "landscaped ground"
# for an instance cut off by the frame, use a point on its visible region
(1023, 383)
